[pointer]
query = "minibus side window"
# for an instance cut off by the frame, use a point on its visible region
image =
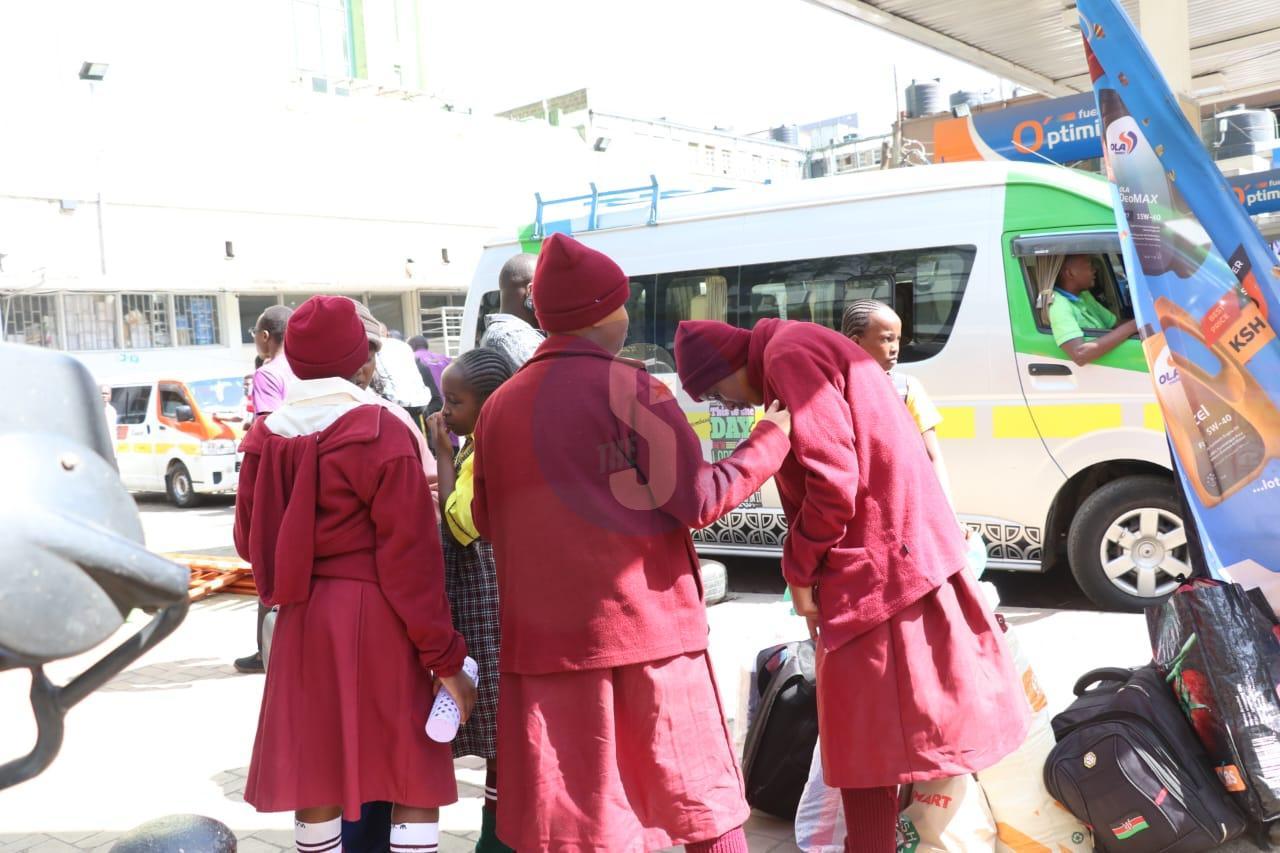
(170, 399)
(925, 287)
(489, 303)
(939, 277)
(699, 295)
(131, 404)
(1111, 289)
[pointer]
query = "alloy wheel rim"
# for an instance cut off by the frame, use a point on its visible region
(1144, 551)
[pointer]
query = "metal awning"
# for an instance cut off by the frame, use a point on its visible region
(1235, 44)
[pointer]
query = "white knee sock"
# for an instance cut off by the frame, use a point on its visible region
(415, 837)
(323, 837)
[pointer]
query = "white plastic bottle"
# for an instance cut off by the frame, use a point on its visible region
(446, 716)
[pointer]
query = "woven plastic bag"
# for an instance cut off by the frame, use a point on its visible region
(1221, 656)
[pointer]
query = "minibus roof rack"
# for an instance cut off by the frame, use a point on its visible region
(599, 202)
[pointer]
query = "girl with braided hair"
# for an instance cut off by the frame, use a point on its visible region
(471, 580)
(877, 328)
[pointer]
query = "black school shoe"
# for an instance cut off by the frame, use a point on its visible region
(250, 665)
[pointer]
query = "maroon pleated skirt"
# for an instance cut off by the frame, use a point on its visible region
(633, 758)
(930, 693)
(344, 709)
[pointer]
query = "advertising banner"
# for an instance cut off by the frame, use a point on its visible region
(1259, 192)
(1060, 130)
(1206, 289)
(1063, 130)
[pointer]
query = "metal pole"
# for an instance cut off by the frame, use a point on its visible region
(897, 122)
(102, 240)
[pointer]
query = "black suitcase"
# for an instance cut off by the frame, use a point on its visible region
(782, 734)
(1128, 764)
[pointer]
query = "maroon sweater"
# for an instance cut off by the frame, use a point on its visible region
(587, 480)
(868, 521)
(350, 501)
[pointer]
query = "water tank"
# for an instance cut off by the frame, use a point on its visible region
(1241, 132)
(971, 99)
(924, 99)
(788, 134)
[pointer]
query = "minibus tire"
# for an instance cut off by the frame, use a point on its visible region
(179, 488)
(1122, 503)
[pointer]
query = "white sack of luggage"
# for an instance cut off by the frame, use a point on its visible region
(820, 824)
(944, 816)
(947, 816)
(1028, 819)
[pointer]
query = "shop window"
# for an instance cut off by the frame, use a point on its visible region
(31, 320)
(195, 320)
(320, 38)
(388, 309)
(251, 307)
(433, 322)
(90, 320)
(146, 320)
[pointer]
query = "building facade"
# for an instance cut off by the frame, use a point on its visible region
(258, 152)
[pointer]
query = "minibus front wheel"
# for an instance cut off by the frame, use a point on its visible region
(1128, 543)
(178, 486)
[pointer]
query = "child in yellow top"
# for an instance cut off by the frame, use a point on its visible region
(877, 328)
(471, 580)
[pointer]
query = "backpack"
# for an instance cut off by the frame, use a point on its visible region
(1128, 764)
(784, 730)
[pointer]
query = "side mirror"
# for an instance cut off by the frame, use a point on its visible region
(184, 414)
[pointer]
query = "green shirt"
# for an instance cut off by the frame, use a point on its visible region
(1070, 315)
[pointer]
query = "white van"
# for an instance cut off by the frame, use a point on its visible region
(180, 437)
(1051, 462)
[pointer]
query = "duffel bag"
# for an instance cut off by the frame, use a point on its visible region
(783, 732)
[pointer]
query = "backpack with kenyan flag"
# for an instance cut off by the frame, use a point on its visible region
(1128, 764)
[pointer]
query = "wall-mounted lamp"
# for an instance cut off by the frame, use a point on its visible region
(602, 143)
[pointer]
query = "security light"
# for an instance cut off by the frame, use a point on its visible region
(602, 143)
(94, 71)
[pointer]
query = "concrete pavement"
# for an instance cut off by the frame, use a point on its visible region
(173, 733)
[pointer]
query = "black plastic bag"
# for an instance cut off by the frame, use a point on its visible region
(1221, 656)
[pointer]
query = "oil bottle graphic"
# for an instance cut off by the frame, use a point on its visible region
(1221, 295)
(1167, 237)
(1223, 426)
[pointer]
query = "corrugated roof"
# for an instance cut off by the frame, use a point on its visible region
(1029, 41)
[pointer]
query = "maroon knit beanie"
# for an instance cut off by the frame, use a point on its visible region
(708, 351)
(575, 287)
(325, 338)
